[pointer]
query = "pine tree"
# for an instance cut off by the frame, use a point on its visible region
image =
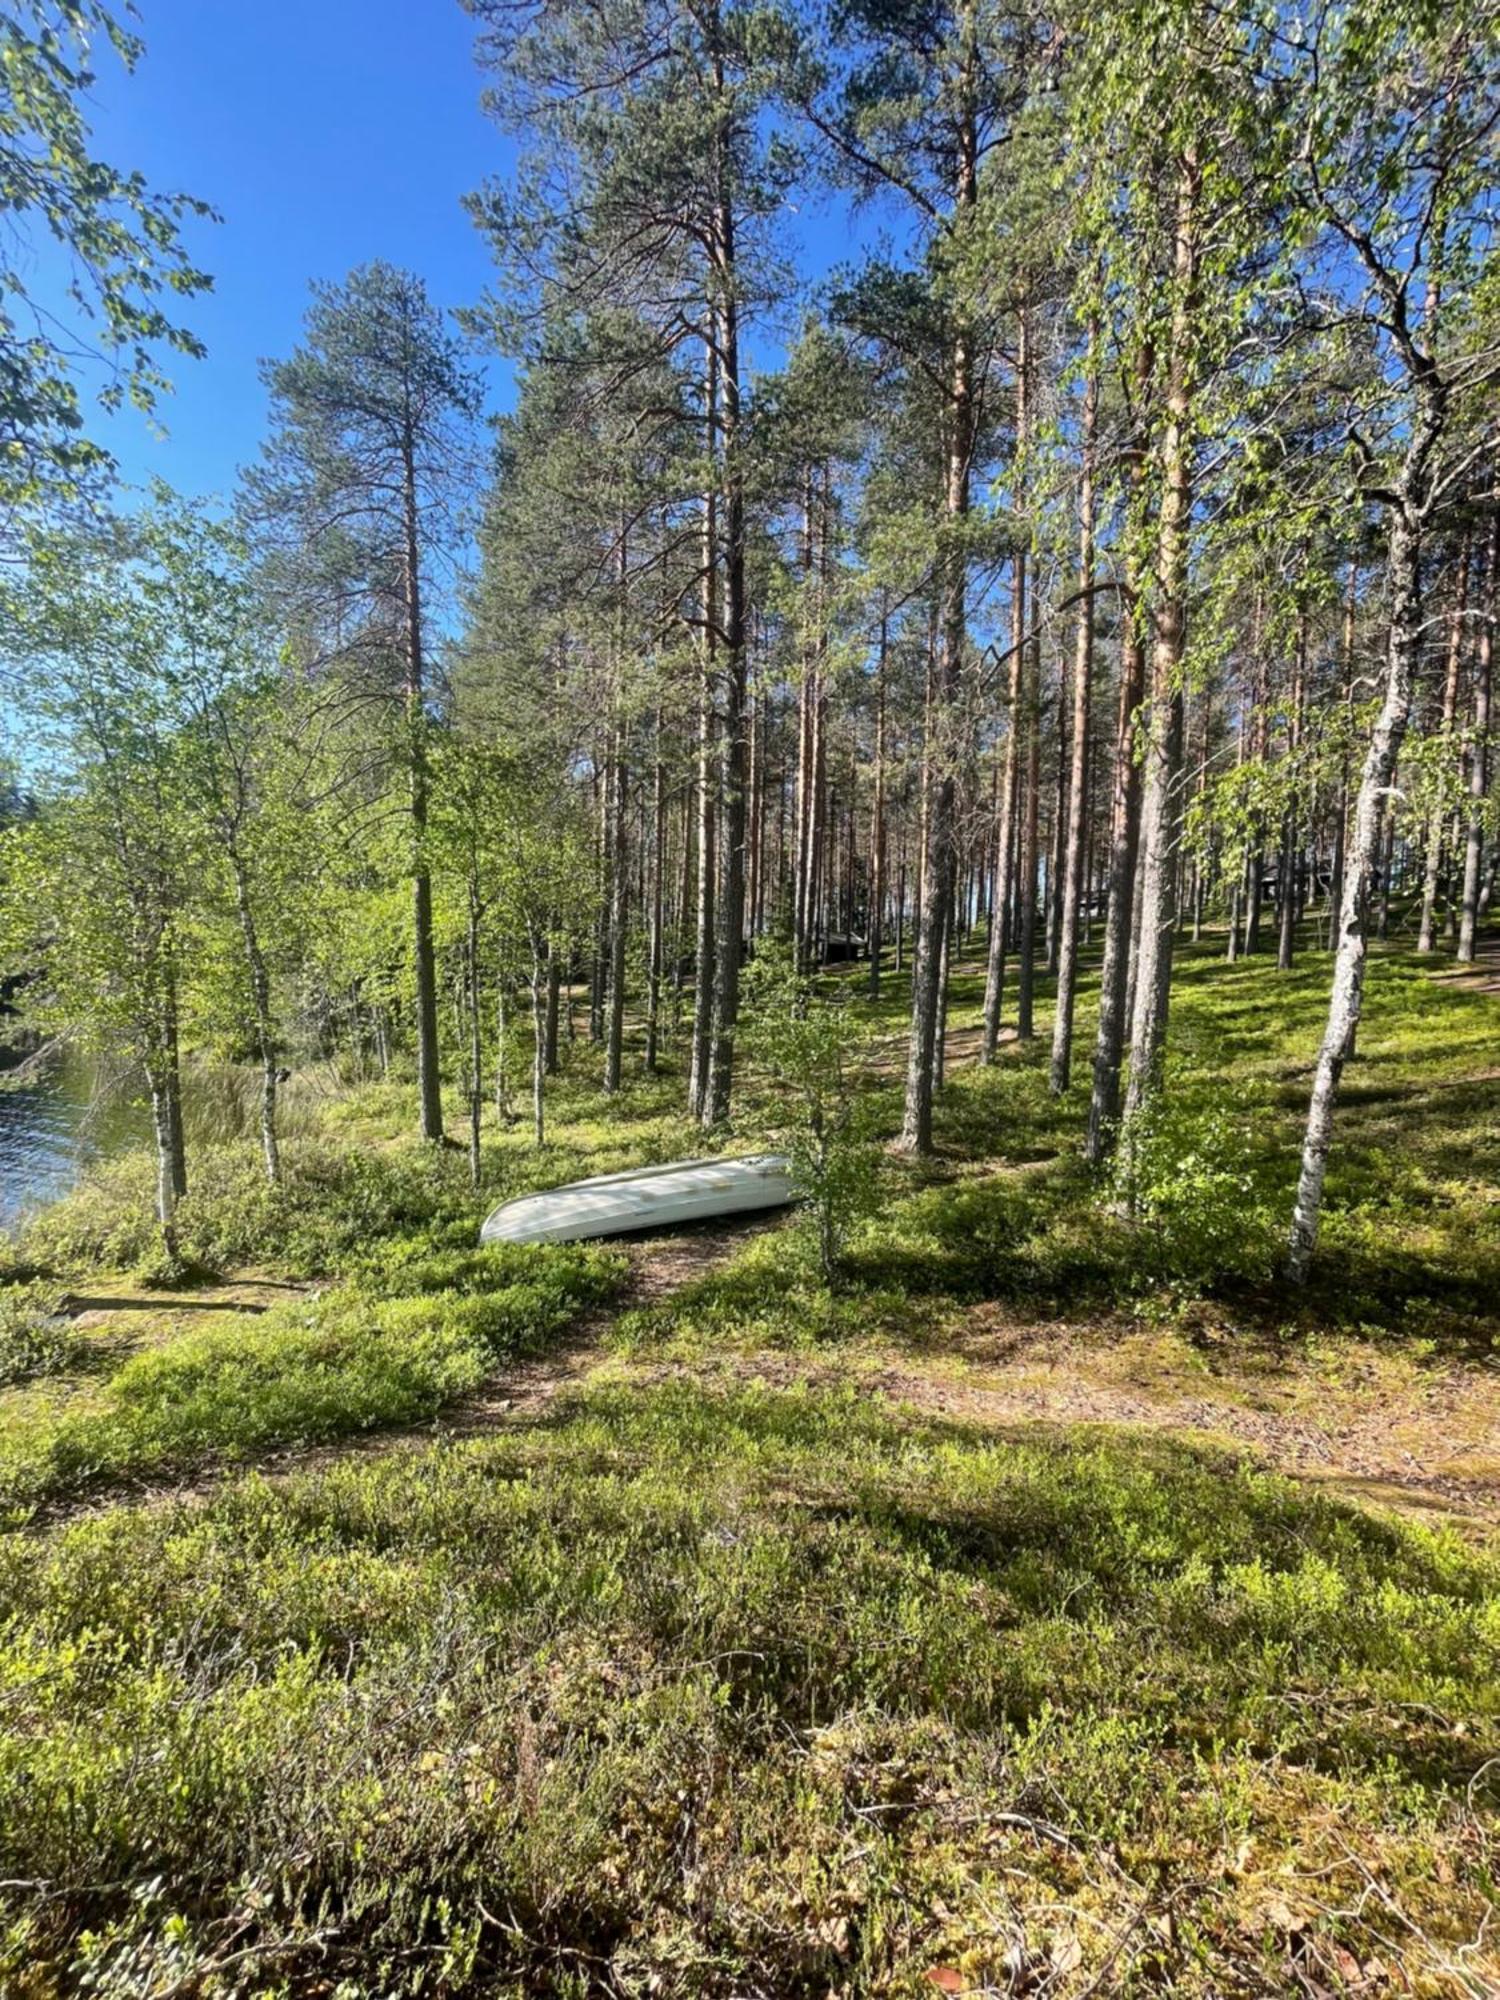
(360, 484)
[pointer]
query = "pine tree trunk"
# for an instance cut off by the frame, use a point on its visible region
(1290, 833)
(476, 1053)
(703, 987)
(731, 911)
(1124, 838)
(429, 1075)
(952, 609)
(994, 983)
(654, 947)
(1083, 670)
(807, 786)
(877, 822)
(1057, 827)
(619, 883)
(1030, 857)
(1432, 871)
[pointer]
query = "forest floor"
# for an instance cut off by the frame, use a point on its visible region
(1058, 1607)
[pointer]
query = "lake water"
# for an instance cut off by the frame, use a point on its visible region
(51, 1129)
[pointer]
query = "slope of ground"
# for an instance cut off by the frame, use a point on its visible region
(1057, 1608)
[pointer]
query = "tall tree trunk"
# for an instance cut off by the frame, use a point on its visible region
(1119, 916)
(876, 920)
(541, 956)
(1057, 825)
(172, 1084)
(703, 986)
(807, 832)
(599, 956)
(654, 947)
(1168, 633)
(266, 1042)
(1341, 797)
(429, 1075)
(502, 1050)
(1290, 830)
(618, 887)
(166, 1178)
(1083, 672)
(1030, 852)
(1255, 866)
(1402, 648)
(731, 913)
(1479, 755)
(1432, 871)
(952, 609)
(476, 1054)
(899, 964)
(994, 981)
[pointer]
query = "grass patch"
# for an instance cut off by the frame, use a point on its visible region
(393, 1346)
(699, 1694)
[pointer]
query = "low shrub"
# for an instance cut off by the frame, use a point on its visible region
(333, 1200)
(699, 1695)
(1206, 1195)
(36, 1337)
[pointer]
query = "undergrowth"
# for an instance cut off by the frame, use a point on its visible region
(690, 1692)
(686, 1694)
(402, 1339)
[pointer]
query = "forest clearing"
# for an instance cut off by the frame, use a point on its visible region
(867, 631)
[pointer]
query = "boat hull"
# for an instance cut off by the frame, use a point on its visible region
(651, 1198)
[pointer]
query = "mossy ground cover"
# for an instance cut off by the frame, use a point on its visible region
(749, 1692)
(744, 1669)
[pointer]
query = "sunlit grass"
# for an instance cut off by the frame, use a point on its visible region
(758, 1692)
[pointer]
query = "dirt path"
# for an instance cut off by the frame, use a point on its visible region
(1372, 1426)
(1402, 1463)
(1482, 976)
(660, 1265)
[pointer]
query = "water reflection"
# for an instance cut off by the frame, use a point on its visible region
(51, 1128)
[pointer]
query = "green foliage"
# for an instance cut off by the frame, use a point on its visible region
(35, 1336)
(1200, 1186)
(332, 1200)
(752, 1692)
(121, 242)
(811, 1042)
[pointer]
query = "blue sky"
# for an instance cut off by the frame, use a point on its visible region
(326, 133)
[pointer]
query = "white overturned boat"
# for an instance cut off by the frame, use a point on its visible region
(645, 1198)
